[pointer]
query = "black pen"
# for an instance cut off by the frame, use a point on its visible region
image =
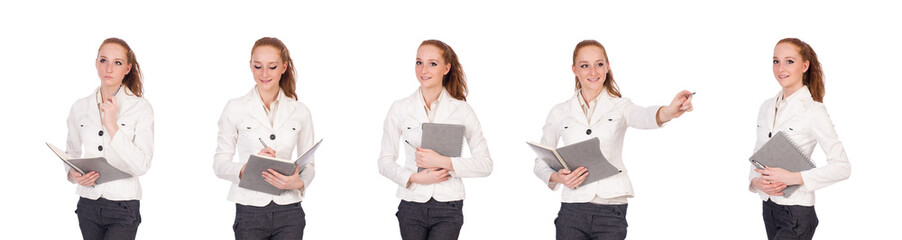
(411, 145)
(690, 95)
(261, 142)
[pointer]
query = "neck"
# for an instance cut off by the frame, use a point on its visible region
(789, 90)
(268, 96)
(106, 92)
(430, 94)
(589, 95)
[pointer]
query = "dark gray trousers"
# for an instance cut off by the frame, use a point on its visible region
(789, 222)
(591, 221)
(272, 221)
(431, 220)
(107, 219)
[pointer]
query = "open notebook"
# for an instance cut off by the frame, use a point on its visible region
(256, 165)
(586, 153)
(107, 172)
(445, 139)
(781, 152)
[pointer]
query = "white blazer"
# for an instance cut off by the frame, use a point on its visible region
(611, 117)
(243, 121)
(130, 150)
(806, 123)
(404, 121)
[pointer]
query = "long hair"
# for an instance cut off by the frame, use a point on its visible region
(287, 83)
(132, 80)
(455, 81)
(814, 77)
(609, 83)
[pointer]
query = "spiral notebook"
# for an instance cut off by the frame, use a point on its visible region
(781, 152)
(445, 139)
(585, 153)
(107, 172)
(256, 164)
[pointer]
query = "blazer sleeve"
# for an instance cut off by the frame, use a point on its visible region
(550, 136)
(640, 117)
(479, 164)
(838, 167)
(227, 138)
(73, 140)
(135, 149)
(305, 142)
(391, 136)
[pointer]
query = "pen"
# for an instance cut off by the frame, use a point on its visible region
(117, 91)
(411, 145)
(692, 94)
(261, 142)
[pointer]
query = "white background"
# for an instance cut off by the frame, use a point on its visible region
(355, 58)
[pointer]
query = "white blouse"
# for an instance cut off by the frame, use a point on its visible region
(130, 150)
(807, 124)
(404, 121)
(243, 121)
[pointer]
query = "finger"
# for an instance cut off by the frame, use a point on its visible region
(564, 171)
(275, 174)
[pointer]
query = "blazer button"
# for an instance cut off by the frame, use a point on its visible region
(99, 148)
(588, 131)
(272, 137)
(768, 135)
(100, 133)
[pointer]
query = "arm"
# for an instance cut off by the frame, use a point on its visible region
(550, 136)
(838, 167)
(681, 103)
(226, 140)
(304, 142)
(389, 154)
(73, 141)
(134, 150)
(479, 164)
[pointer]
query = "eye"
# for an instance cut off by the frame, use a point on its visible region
(257, 67)
(776, 61)
(419, 62)
(790, 61)
(433, 64)
(102, 60)
(584, 65)
(600, 64)
(119, 63)
(273, 67)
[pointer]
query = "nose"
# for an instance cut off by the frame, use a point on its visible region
(422, 69)
(594, 72)
(265, 74)
(108, 68)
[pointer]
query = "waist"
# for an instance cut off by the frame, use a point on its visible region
(271, 207)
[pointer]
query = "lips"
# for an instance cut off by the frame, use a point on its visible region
(782, 76)
(425, 78)
(593, 79)
(265, 81)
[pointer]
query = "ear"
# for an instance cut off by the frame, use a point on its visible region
(574, 69)
(129, 69)
(807, 63)
(447, 68)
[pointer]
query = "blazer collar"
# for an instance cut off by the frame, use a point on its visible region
(125, 98)
(254, 105)
(604, 105)
(795, 103)
(446, 106)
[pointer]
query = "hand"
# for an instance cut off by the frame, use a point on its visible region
(682, 103)
(84, 180)
(110, 108)
(570, 179)
(768, 187)
(427, 158)
(292, 182)
(269, 152)
(780, 175)
(430, 176)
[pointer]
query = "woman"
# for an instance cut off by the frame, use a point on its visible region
(432, 199)
(114, 122)
(597, 210)
(269, 115)
(799, 112)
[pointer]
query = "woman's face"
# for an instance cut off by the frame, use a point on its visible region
(591, 68)
(112, 64)
(431, 67)
(267, 65)
(789, 66)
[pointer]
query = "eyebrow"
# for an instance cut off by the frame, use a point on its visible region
(266, 63)
(118, 59)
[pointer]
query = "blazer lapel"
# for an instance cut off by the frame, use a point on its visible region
(577, 110)
(604, 106)
(254, 106)
(445, 108)
(283, 112)
(794, 106)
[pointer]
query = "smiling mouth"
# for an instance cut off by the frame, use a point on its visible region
(782, 76)
(593, 79)
(265, 81)
(424, 78)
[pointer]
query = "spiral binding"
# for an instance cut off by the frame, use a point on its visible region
(798, 150)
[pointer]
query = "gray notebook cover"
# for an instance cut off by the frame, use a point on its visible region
(252, 179)
(781, 152)
(107, 172)
(445, 139)
(586, 153)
